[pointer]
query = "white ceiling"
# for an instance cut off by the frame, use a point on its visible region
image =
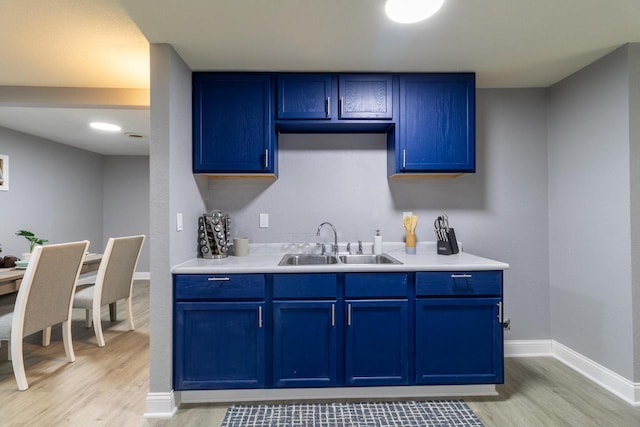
(103, 44)
(72, 44)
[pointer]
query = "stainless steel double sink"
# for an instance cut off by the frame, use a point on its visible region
(315, 259)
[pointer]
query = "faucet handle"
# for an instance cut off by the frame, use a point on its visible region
(360, 247)
(349, 248)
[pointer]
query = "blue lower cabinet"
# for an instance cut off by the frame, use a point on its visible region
(459, 341)
(376, 342)
(219, 345)
(304, 344)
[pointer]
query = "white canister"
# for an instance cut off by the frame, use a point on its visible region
(241, 246)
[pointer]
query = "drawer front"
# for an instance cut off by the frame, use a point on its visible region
(219, 286)
(459, 283)
(363, 285)
(305, 286)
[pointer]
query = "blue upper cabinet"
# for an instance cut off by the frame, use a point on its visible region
(436, 125)
(304, 96)
(316, 103)
(233, 124)
(365, 96)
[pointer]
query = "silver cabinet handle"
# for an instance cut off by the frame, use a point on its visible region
(342, 106)
(333, 315)
(500, 311)
(328, 106)
(218, 279)
(404, 159)
(349, 315)
(259, 316)
(461, 276)
(266, 158)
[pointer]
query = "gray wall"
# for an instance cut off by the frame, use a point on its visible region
(55, 192)
(499, 212)
(590, 218)
(126, 200)
(173, 189)
(561, 154)
(634, 143)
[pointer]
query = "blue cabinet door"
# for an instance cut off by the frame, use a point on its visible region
(304, 343)
(233, 124)
(365, 96)
(436, 127)
(459, 341)
(305, 96)
(376, 342)
(219, 345)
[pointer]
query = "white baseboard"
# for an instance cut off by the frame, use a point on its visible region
(142, 275)
(88, 278)
(527, 348)
(620, 386)
(253, 395)
(623, 388)
(160, 405)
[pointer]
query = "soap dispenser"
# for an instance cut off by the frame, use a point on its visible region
(377, 243)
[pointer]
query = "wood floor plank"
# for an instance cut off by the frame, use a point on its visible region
(108, 386)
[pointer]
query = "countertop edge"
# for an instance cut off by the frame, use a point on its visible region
(264, 259)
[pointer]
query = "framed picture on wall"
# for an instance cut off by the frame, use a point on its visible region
(4, 172)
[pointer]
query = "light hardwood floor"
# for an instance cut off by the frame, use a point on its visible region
(108, 386)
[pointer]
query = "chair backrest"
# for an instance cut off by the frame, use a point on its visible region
(115, 274)
(46, 293)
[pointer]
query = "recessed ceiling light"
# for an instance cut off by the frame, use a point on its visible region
(109, 127)
(410, 11)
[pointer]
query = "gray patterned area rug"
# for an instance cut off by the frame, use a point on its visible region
(437, 413)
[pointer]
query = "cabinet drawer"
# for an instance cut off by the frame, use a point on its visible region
(459, 283)
(219, 286)
(305, 286)
(363, 285)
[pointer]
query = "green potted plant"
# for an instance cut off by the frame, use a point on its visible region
(33, 241)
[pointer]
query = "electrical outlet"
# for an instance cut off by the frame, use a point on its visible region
(264, 220)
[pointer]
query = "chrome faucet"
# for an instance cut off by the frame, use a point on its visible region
(335, 236)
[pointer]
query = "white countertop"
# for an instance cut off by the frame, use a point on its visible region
(264, 258)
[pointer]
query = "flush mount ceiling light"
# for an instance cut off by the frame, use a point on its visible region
(410, 11)
(109, 127)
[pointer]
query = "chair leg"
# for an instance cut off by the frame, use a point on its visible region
(97, 327)
(46, 336)
(87, 316)
(18, 365)
(129, 313)
(66, 338)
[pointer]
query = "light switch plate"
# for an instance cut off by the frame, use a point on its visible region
(179, 225)
(264, 220)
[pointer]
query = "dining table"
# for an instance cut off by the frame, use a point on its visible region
(11, 278)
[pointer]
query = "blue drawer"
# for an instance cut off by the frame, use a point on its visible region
(219, 286)
(459, 283)
(364, 285)
(305, 286)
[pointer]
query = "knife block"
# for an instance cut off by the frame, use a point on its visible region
(449, 246)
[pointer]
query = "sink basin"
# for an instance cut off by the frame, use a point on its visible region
(299, 259)
(368, 259)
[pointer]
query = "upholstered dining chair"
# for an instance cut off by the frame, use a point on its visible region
(114, 281)
(44, 299)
